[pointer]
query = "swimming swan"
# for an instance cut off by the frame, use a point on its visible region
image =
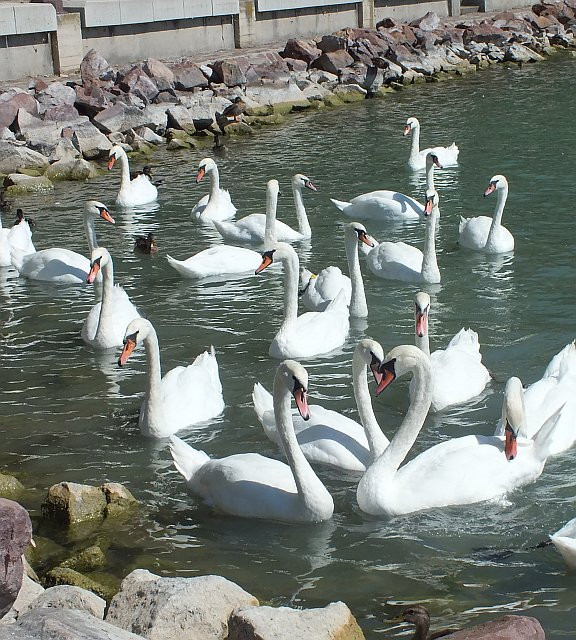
(565, 542)
(133, 192)
(487, 234)
(253, 486)
(448, 156)
(184, 397)
(312, 333)
(217, 205)
(457, 471)
(329, 437)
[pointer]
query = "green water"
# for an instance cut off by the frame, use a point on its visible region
(67, 413)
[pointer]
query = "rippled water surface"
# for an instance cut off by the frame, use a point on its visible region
(68, 413)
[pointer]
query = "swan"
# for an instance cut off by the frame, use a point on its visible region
(459, 374)
(217, 205)
(487, 234)
(556, 390)
(253, 486)
(133, 192)
(329, 437)
(17, 238)
(448, 156)
(565, 542)
(62, 266)
(319, 290)
(312, 333)
(106, 322)
(252, 228)
(401, 261)
(184, 396)
(457, 471)
(226, 259)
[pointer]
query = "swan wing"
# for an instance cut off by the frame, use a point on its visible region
(396, 260)
(217, 260)
(57, 265)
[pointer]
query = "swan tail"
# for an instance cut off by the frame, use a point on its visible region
(208, 362)
(467, 339)
(543, 440)
(17, 257)
(262, 401)
(186, 459)
(462, 224)
(562, 362)
(340, 204)
(338, 303)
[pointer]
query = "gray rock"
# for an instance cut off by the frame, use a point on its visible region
(62, 113)
(160, 73)
(55, 94)
(180, 118)
(519, 53)
(78, 170)
(350, 92)
(271, 94)
(156, 116)
(69, 502)
(428, 22)
(64, 150)
(296, 65)
(332, 43)
(66, 596)
(136, 81)
(301, 50)
(29, 591)
(149, 136)
(229, 72)
(504, 628)
(202, 107)
(94, 68)
(6, 134)
(13, 100)
(10, 487)
(120, 118)
(188, 76)
(14, 157)
(15, 536)
(91, 142)
(283, 623)
(167, 608)
(333, 61)
(91, 100)
(19, 183)
(65, 624)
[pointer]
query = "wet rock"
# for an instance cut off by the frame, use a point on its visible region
(166, 608)
(307, 51)
(19, 183)
(10, 487)
(332, 62)
(283, 623)
(62, 575)
(14, 157)
(176, 144)
(350, 92)
(188, 76)
(519, 53)
(76, 170)
(67, 596)
(229, 72)
(86, 560)
(29, 591)
(160, 73)
(180, 118)
(69, 502)
(94, 69)
(118, 498)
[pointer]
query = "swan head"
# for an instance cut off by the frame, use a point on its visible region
(306, 278)
(496, 182)
(205, 166)
(432, 159)
(421, 311)
(273, 188)
(372, 354)
(411, 123)
(98, 259)
(403, 359)
(135, 332)
(432, 200)
(359, 230)
(281, 251)
(294, 377)
(513, 415)
(98, 210)
(299, 180)
(114, 154)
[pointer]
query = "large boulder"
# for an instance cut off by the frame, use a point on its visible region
(15, 536)
(92, 99)
(229, 72)
(160, 73)
(10, 487)
(166, 608)
(138, 82)
(54, 95)
(94, 69)
(68, 169)
(120, 117)
(70, 502)
(14, 157)
(29, 591)
(67, 596)
(333, 61)
(180, 118)
(188, 76)
(13, 100)
(301, 50)
(334, 622)
(20, 183)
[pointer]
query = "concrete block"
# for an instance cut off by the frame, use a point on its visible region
(281, 5)
(101, 13)
(225, 7)
(7, 21)
(34, 18)
(67, 47)
(197, 8)
(136, 11)
(168, 10)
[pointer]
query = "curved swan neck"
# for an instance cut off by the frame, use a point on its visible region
(303, 223)
(90, 232)
(498, 211)
(291, 267)
(125, 170)
(153, 366)
(106, 306)
(214, 182)
(307, 482)
(430, 186)
(270, 229)
(430, 271)
(358, 304)
(377, 441)
(415, 144)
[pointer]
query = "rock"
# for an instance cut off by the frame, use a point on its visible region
(69, 502)
(62, 575)
(504, 628)
(120, 118)
(54, 95)
(77, 170)
(332, 62)
(136, 81)
(519, 53)
(64, 150)
(296, 65)
(188, 76)
(332, 43)
(40, 136)
(10, 487)
(19, 183)
(14, 157)
(149, 136)
(64, 624)
(350, 92)
(156, 116)
(13, 100)
(301, 50)
(29, 591)
(180, 118)
(86, 560)
(91, 100)
(62, 113)
(334, 622)
(6, 134)
(118, 498)
(91, 142)
(176, 607)
(204, 107)
(284, 94)
(486, 32)
(160, 73)
(176, 145)
(15, 536)
(428, 22)
(94, 68)
(67, 596)
(229, 72)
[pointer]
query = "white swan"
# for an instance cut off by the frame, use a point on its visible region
(401, 261)
(448, 156)
(227, 259)
(565, 542)
(555, 391)
(457, 471)
(253, 486)
(459, 374)
(217, 205)
(318, 291)
(106, 322)
(134, 192)
(62, 266)
(252, 228)
(329, 437)
(184, 397)
(18, 238)
(312, 333)
(487, 234)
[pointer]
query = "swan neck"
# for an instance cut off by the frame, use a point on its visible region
(214, 182)
(430, 271)
(498, 211)
(377, 441)
(415, 144)
(358, 304)
(106, 306)
(90, 232)
(270, 229)
(303, 223)
(154, 368)
(290, 265)
(125, 170)
(430, 186)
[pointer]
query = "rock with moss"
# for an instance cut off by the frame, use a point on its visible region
(239, 129)
(10, 487)
(70, 503)
(45, 553)
(63, 575)
(350, 92)
(118, 498)
(275, 118)
(85, 560)
(19, 184)
(77, 170)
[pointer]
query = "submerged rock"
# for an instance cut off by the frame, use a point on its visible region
(10, 487)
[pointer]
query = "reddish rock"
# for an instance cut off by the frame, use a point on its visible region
(61, 113)
(486, 32)
(188, 76)
(160, 73)
(91, 100)
(504, 628)
(229, 72)
(13, 100)
(333, 62)
(94, 68)
(301, 50)
(137, 82)
(296, 65)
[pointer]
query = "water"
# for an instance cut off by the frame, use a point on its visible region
(67, 413)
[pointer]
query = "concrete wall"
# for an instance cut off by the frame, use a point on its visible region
(407, 10)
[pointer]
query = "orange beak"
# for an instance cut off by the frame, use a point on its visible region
(421, 324)
(511, 444)
(429, 204)
(129, 346)
(407, 129)
(388, 376)
(302, 403)
(111, 161)
(491, 188)
(105, 215)
(201, 173)
(366, 239)
(94, 269)
(266, 262)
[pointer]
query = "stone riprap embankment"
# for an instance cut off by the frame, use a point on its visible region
(55, 130)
